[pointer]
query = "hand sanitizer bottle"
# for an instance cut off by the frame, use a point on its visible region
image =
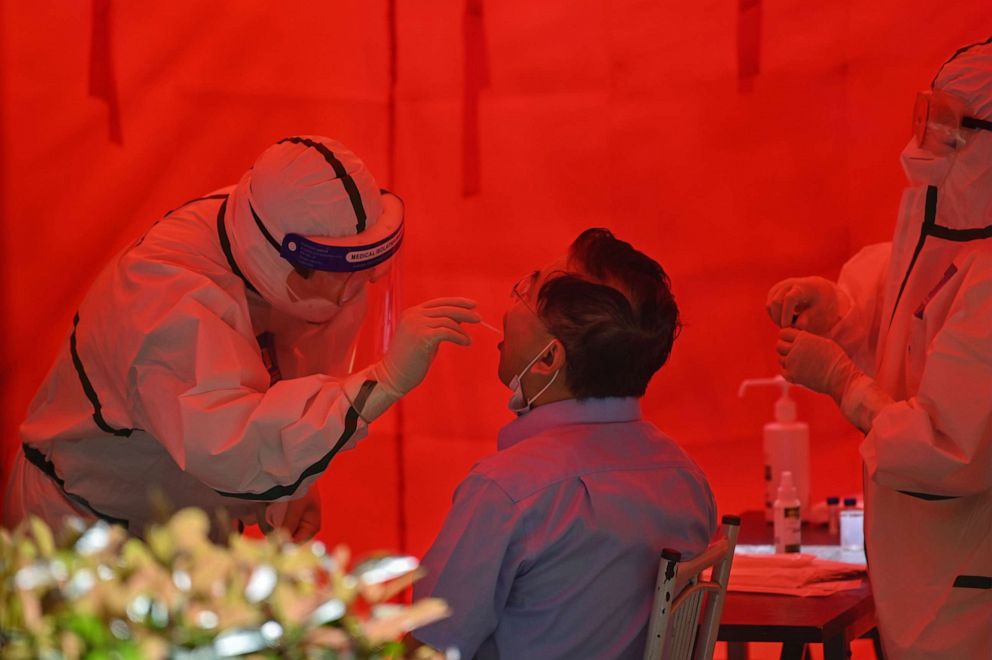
(785, 445)
(788, 524)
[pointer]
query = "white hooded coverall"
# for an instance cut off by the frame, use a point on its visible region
(921, 326)
(177, 377)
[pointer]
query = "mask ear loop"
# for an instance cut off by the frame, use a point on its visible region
(544, 389)
(547, 360)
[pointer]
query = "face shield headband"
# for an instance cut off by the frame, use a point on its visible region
(363, 251)
(305, 253)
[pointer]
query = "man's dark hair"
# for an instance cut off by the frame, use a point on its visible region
(614, 311)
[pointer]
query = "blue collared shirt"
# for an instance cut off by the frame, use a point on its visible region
(551, 546)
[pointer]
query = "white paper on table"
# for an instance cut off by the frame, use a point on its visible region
(793, 574)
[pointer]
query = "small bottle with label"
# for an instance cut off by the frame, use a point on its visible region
(852, 526)
(787, 522)
(833, 516)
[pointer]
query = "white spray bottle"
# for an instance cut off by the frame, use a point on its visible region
(785, 447)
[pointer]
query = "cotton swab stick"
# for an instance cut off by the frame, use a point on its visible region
(489, 327)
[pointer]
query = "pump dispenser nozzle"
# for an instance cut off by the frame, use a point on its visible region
(785, 407)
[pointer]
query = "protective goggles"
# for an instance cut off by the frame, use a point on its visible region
(346, 254)
(938, 120)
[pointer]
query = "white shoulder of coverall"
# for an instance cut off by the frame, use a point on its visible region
(200, 388)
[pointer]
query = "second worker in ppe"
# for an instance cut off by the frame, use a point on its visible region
(207, 363)
(903, 343)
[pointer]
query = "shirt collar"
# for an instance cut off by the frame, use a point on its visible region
(569, 411)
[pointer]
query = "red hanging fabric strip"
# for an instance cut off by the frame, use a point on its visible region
(391, 35)
(748, 43)
(476, 60)
(103, 82)
(402, 527)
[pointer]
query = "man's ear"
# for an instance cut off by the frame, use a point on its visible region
(551, 360)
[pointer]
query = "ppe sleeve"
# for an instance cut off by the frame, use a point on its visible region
(862, 280)
(939, 441)
(202, 390)
(471, 566)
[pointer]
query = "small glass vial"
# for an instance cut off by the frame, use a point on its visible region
(833, 516)
(852, 526)
(787, 520)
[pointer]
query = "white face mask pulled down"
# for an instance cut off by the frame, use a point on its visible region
(315, 310)
(321, 310)
(518, 403)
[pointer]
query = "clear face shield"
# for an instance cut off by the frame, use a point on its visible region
(382, 300)
(942, 123)
(359, 277)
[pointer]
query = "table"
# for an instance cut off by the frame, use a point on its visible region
(831, 620)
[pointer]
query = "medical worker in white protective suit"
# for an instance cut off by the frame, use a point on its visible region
(198, 365)
(903, 343)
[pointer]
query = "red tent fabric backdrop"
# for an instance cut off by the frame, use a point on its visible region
(737, 142)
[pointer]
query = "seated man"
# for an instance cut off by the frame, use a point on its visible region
(551, 546)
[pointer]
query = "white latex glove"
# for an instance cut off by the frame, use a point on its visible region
(822, 365)
(299, 517)
(814, 304)
(815, 362)
(420, 331)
